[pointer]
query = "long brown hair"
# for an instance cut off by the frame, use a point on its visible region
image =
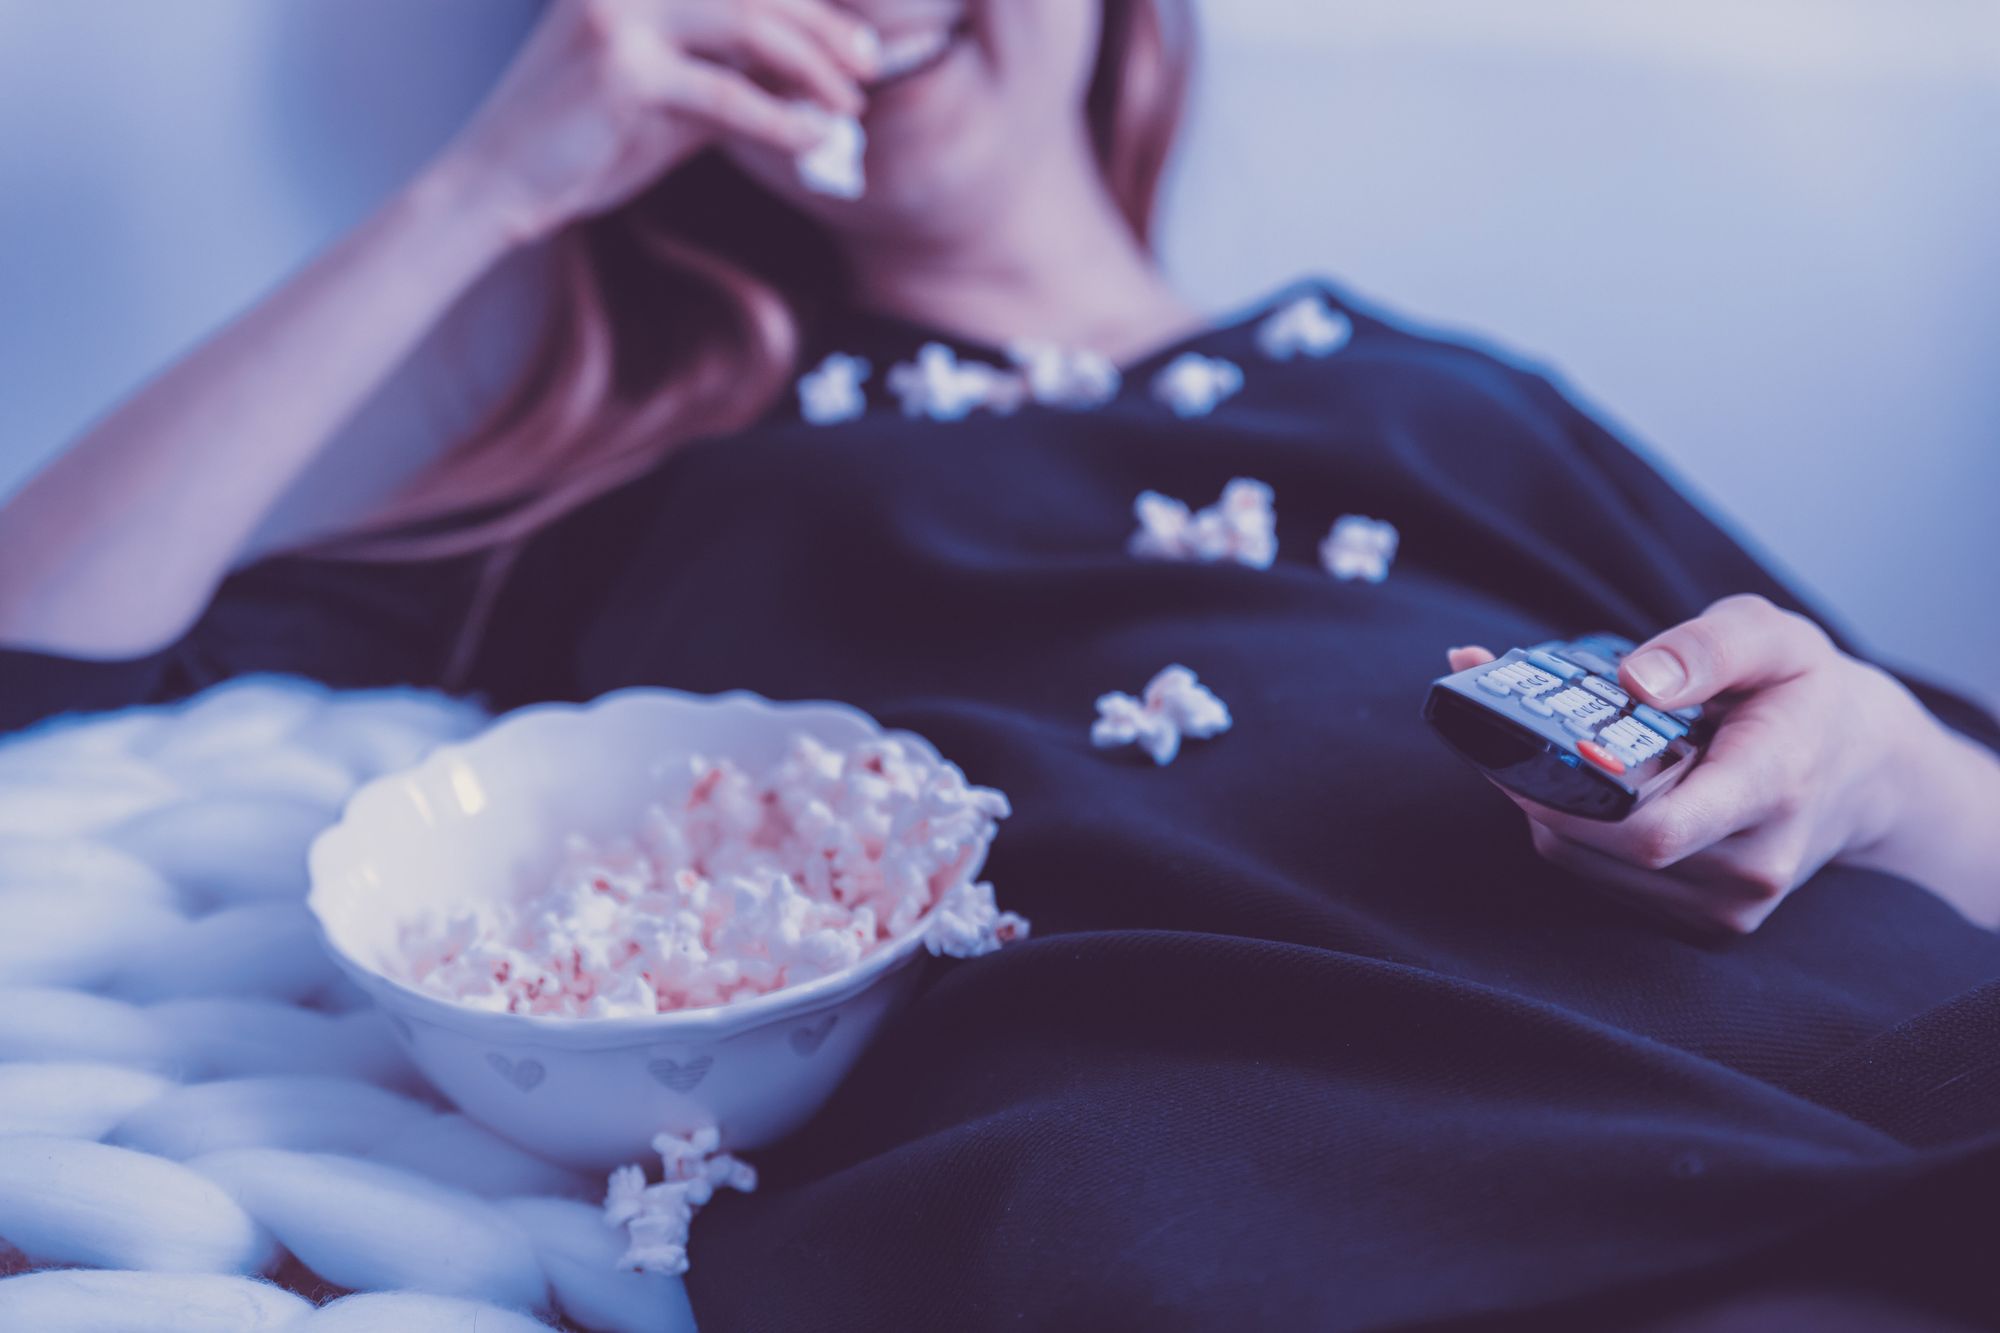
(612, 388)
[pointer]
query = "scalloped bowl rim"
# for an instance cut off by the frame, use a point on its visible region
(707, 1023)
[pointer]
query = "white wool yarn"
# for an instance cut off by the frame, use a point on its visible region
(228, 849)
(580, 1254)
(371, 1227)
(228, 1038)
(453, 1150)
(71, 1201)
(96, 1301)
(270, 950)
(310, 1112)
(69, 739)
(56, 865)
(80, 797)
(295, 774)
(76, 937)
(248, 713)
(384, 731)
(401, 1312)
(48, 1023)
(71, 1099)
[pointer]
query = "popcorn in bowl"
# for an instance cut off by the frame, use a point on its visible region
(770, 873)
(737, 885)
(657, 919)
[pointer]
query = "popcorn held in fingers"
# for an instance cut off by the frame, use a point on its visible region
(833, 165)
(1193, 385)
(1242, 526)
(657, 1217)
(1067, 378)
(1359, 548)
(736, 886)
(940, 386)
(832, 393)
(1175, 706)
(1306, 327)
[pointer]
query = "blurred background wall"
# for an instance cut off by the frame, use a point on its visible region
(1761, 236)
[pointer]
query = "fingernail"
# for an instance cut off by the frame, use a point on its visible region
(1657, 672)
(868, 47)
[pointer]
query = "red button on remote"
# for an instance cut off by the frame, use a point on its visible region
(1600, 756)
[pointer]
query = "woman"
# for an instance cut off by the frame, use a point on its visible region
(1309, 1032)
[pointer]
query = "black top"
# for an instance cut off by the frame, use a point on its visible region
(1306, 1034)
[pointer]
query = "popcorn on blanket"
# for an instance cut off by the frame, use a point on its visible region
(1194, 385)
(1305, 327)
(1359, 548)
(832, 393)
(1175, 705)
(1242, 527)
(656, 1217)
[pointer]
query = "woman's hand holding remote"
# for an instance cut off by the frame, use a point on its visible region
(1818, 757)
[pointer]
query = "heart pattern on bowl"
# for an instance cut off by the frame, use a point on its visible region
(680, 1075)
(807, 1039)
(523, 1074)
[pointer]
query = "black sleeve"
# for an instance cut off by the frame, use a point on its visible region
(344, 623)
(1721, 562)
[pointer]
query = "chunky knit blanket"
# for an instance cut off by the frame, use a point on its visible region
(203, 1128)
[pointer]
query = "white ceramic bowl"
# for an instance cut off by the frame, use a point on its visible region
(481, 818)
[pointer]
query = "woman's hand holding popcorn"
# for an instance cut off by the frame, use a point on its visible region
(1818, 758)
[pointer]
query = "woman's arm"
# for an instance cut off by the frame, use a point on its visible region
(114, 549)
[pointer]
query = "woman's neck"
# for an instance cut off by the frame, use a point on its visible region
(1058, 264)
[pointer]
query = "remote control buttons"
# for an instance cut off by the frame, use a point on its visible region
(1606, 691)
(1600, 756)
(1555, 666)
(1665, 723)
(1537, 705)
(1632, 741)
(1517, 677)
(1584, 720)
(1590, 661)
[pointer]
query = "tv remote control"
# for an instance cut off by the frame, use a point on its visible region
(1552, 723)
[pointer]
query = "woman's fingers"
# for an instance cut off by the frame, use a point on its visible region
(1731, 789)
(732, 103)
(798, 47)
(772, 45)
(846, 37)
(1708, 897)
(1464, 659)
(1741, 643)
